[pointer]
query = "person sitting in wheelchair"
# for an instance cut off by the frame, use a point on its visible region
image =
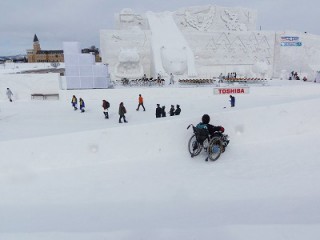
(212, 131)
(204, 124)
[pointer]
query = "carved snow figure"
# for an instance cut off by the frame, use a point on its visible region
(128, 19)
(129, 65)
(170, 50)
(231, 20)
(199, 19)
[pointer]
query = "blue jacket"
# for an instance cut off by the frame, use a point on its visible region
(82, 105)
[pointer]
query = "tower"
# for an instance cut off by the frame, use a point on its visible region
(36, 44)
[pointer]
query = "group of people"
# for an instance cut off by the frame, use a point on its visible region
(232, 75)
(74, 102)
(161, 111)
(161, 81)
(294, 76)
(122, 110)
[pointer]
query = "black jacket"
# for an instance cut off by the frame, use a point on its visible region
(178, 111)
(171, 111)
(158, 112)
(211, 129)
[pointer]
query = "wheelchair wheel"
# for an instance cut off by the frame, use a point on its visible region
(194, 147)
(215, 148)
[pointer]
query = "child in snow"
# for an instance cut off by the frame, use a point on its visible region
(74, 102)
(82, 105)
(105, 106)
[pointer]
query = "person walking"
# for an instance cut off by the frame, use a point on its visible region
(232, 101)
(82, 105)
(122, 112)
(105, 106)
(140, 103)
(171, 79)
(163, 111)
(172, 110)
(178, 110)
(159, 79)
(9, 94)
(220, 78)
(158, 111)
(74, 102)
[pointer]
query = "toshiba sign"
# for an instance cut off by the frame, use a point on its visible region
(231, 90)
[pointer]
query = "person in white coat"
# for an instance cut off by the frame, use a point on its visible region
(9, 94)
(171, 78)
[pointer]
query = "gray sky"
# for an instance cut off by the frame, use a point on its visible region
(56, 21)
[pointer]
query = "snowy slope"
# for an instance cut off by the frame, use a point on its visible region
(67, 175)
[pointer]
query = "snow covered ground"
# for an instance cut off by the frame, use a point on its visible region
(68, 175)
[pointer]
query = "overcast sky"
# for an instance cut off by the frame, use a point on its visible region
(56, 21)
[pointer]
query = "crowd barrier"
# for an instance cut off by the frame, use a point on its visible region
(245, 80)
(201, 81)
(196, 81)
(141, 82)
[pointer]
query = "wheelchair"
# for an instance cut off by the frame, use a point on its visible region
(201, 140)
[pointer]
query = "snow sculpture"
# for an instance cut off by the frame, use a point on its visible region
(204, 41)
(170, 50)
(284, 75)
(232, 21)
(214, 18)
(200, 20)
(128, 19)
(174, 60)
(260, 68)
(129, 65)
(317, 78)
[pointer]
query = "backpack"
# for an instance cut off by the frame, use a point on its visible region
(201, 132)
(108, 104)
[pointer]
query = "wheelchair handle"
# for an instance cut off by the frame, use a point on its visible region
(189, 126)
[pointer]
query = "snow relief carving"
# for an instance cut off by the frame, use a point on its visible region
(200, 20)
(128, 19)
(129, 65)
(231, 20)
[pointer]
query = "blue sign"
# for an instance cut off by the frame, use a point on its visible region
(291, 44)
(290, 41)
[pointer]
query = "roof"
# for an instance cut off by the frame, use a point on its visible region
(35, 38)
(50, 51)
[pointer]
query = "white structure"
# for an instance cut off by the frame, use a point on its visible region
(81, 71)
(23, 85)
(204, 41)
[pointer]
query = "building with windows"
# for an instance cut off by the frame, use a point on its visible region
(94, 51)
(38, 55)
